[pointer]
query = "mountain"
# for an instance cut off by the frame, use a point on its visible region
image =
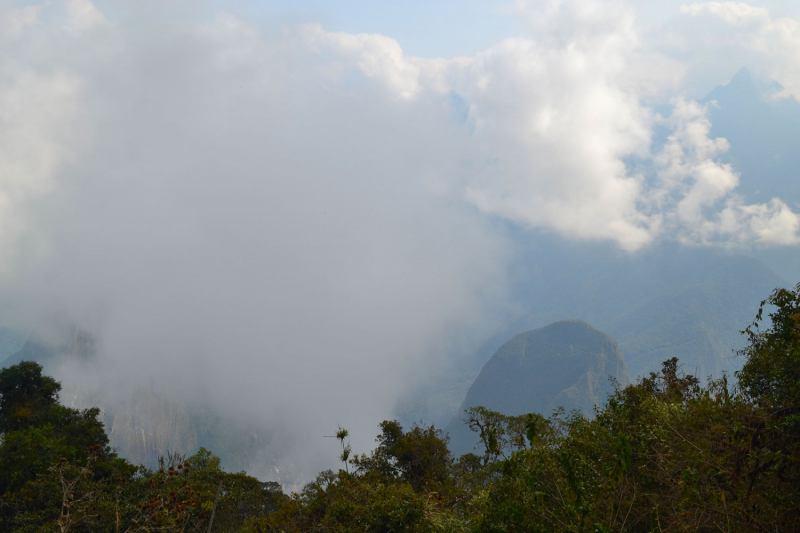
(763, 129)
(149, 423)
(665, 301)
(567, 364)
(762, 126)
(145, 423)
(11, 341)
(71, 343)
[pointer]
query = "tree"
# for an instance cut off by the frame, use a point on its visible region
(771, 373)
(26, 396)
(499, 434)
(419, 457)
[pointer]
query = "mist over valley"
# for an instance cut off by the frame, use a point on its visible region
(238, 228)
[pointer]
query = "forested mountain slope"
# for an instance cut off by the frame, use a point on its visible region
(663, 302)
(667, 453)
(567, 364)
(668, 300)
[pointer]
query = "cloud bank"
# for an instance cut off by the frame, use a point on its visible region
(554, 119)
(304, 218)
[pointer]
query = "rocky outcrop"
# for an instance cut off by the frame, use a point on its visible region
(568, 364)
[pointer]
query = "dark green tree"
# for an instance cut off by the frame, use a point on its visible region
(419, 457)
(26, 396)
(771, 373)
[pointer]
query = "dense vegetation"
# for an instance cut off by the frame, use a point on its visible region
(567, 364)
(664, 301)
(665, 454)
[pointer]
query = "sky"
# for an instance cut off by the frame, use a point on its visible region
(427, 29)
(289, 208)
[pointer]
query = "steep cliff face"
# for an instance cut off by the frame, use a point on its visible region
(54, 347)
(11, 341)
(148, 423)
(567, 364)
(662, 302)
(145, 422)
(146, 426)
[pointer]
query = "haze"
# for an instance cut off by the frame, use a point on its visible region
(292, 213)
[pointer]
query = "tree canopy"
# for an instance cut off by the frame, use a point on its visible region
(667, 453)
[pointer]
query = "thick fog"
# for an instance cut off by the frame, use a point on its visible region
(293, 224)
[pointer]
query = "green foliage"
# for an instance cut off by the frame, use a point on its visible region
(418, 457)
(25, 396)
(771, 375)
(664, 454)
(43, 450)
(566, 364)
(342, 434)
(346, 503)
(500, 435)
(57, 473)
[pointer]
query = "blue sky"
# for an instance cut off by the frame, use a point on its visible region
(444, 28)
(438, 28)
(428, 29)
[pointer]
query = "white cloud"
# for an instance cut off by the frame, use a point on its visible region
(37, 122)
(698, 191)
(13, 21)
(379, 58)
(774, 43)
(376, 56)
(734, 13)
(305, 204)
(84, 15)
(227, 219)
(555, 127)
(554, 116)
(558, 115)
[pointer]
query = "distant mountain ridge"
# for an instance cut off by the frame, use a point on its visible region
(665, 301)
(762, 126)
(147, 423)
(72, 343)
(567, 364)
(763, 129)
